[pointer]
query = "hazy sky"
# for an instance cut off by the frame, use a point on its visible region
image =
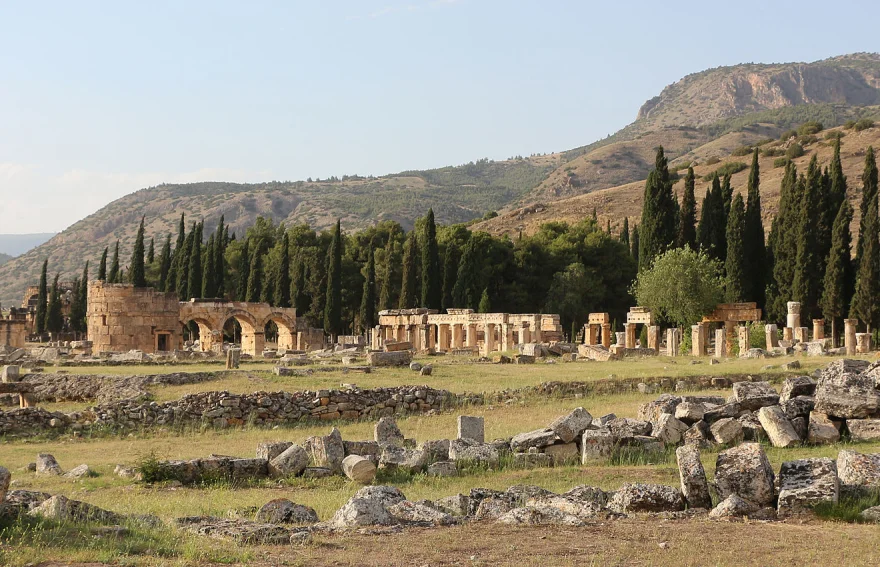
(99, 99)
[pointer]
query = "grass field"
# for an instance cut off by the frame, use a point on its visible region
(629, 542)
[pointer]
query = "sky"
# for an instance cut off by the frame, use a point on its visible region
(100, 99)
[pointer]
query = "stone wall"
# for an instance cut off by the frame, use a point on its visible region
(122, 317)
(12, 333)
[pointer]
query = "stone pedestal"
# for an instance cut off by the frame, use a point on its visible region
(801, 334)
(233, 357)
(619, 339)
(673, 340)
(863, 343)
(818, 329)
(743, 339)
(591, 336)
(772, 335)
(720, 343)
(787, 334)
(793, 319)
(630, 330)
(698, 340)
(606, 335)
(654, 339)
(849, 335)
(471, 335)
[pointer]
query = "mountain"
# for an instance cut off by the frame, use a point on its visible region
(16, 244)
(702, 118)
(4, 258)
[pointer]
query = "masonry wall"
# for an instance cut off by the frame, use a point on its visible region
(122, 317)
(12, 333)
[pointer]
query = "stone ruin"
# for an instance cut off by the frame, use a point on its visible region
(462, 330)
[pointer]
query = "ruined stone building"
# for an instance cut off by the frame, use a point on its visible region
(32, 296)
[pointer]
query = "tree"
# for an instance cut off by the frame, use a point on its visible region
(624, 232)
(836, 293)
(712, 229)
(634, 242)
(165, 263)
(137, 274)
(783, 243)
(754, 250)
(298, 291)
(151, 251)
(114, 276)
(208, 286)
(102, 266)
(681, 286)
(54, 317)
(333, 303)
(726, 195)
(178, 255)
(409, 283)
(864, 303)
(244, 262)
(385, 294)
(450, 270)
(573, 293)
(432, 278)
(367, 313)
(808, 271)
(42, 300)
(79, 302)
(255, 275)
(869, 194)
(735, 271)
(485, 304)
(194, 274)
(282, 275)
(220, 258)
(468, 285)
(181, 258)
(659, 213)
(687, 214)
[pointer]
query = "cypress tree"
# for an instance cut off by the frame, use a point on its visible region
(838, 188)
(807, 275)
(385, 293)
(409, 285)
(608, 227)
(137, 274)
(368, 296)
(42, 300)
(177, 257)
(282, 276)
(485, 305)
(635, 244)
(208, 287)
(726, 196)
(79, 301)
(466, 293)
(432, 278)
(450, 270)
(753, 240)
(298, 292)
(243, 272)
(181, 257)
(624, 233)
(194, 274)
(220, 258)
(333, 302)
(864, 303)
(659, 213)
(687, 214)
(255, 276)
(151, 251)
(735, 277)
(836, 292)
(54, 318)
(165, 263)
(869, 194)
(712, 229)
(114, 275)
(102, 266)
(783, 245)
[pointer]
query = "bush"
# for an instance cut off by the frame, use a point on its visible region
(849, 124)
(863, 124)
(730, 168)
(780, 162)
(794, 151)
(765, 141)
(742, 151)
(807, 140)
(490, 215)
(810, 127)
(788, 134)
(833, 135)
(772, 152)
(712, 160)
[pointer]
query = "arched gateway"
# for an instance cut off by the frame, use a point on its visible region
(122, 317)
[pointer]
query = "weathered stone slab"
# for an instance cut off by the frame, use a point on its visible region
(694, 485)
(822, 430)
(622, 427)
(386, 432)
(746, 472)
(539, 439)
(864, 429)
(539, 516)
(243, 532)
(471, 427)
(562, 453)
(690, 412)
(733, 507)
(753, 396)
(805, 483)
(417, 514)
(847, 395)
(395, 358)
(571, 426)
(596, 444)
(646, 498)
(669, 429)
(465, 450)
(327, 451)
(726, 430)
(63, 509)
(368, 507)
(283, 511)
(858, 471)
(777, 427)
(272, 449)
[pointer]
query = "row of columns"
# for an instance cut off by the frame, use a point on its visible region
(452, 336)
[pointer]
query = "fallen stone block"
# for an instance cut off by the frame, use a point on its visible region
(81, 471)
(799, 406)
(63, 509)
(669, 429)
(689, 412)
(625, 427)
(753, 396)
(562, 453)
(858, 471)
(416, 514)
(805, 483)
(651, 411)
(368, 507)
(442, 469)
(822, 430)
(694, 485)
(745, 471)
(359, 469)
(596, 444)
(795, 386)
(732, 507)
(778, 427)
(386, 432)
(291, 462)
(845, 394)
(571, 426)
(864, 429)
(242, 532)
(532, 460)
(394, 358)
(646, 498)
(471, 427)
(538, 439)
(580, 508)
(727, 430)
(539, 516)
(47, 465)
(272, 449)
(465, 450)
(327, 451)
(283, 511)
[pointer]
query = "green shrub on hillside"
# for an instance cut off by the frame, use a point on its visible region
(742, 151)
(780, 162)
(810, 127)
(794, 151)
(863, 124)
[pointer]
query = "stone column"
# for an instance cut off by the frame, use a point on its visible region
(471, 335)
(630, 330)
(619, 339)
(606, 335)
(787, 334)
(793, 319)
(863, 343)
(801, 334)
(443, 337)
(772, 336)
(818, 329)
(285, 337)
(720, 343)
(730, 335)
(457, 339)
(744, 339)
(698, 343)
(489, 339)
(849, 335)
(591, 335)
(524, 336)
(506, 337)
(654, 338)
(673, 340)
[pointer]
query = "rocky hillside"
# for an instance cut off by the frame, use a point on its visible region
(702, 118)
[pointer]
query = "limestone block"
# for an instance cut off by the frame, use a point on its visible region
(387, 432)
(471, 427)
(805, 483)
(864, 429)
(694, 485)
(690, 412)
(726, 430)
(539, 439)
(732, 507)
(821, 429)
(442, 469)
(778, 428)
(11, 373)
(328, 451)
(466, 450)
(359, 469)
(847, 395)
(745, 471)
(283, 511)
(562, 453)
(47, 465)
(755, 395)
(646, 498)
(794, 386)
(669, 429)
(571, 426)
(596, 444)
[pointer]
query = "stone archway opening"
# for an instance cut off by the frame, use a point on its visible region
(253, 339)
(281, 330)
(270, 331)
(198, 331)
(232, 332)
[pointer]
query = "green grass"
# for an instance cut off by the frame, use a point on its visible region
(849, 507)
